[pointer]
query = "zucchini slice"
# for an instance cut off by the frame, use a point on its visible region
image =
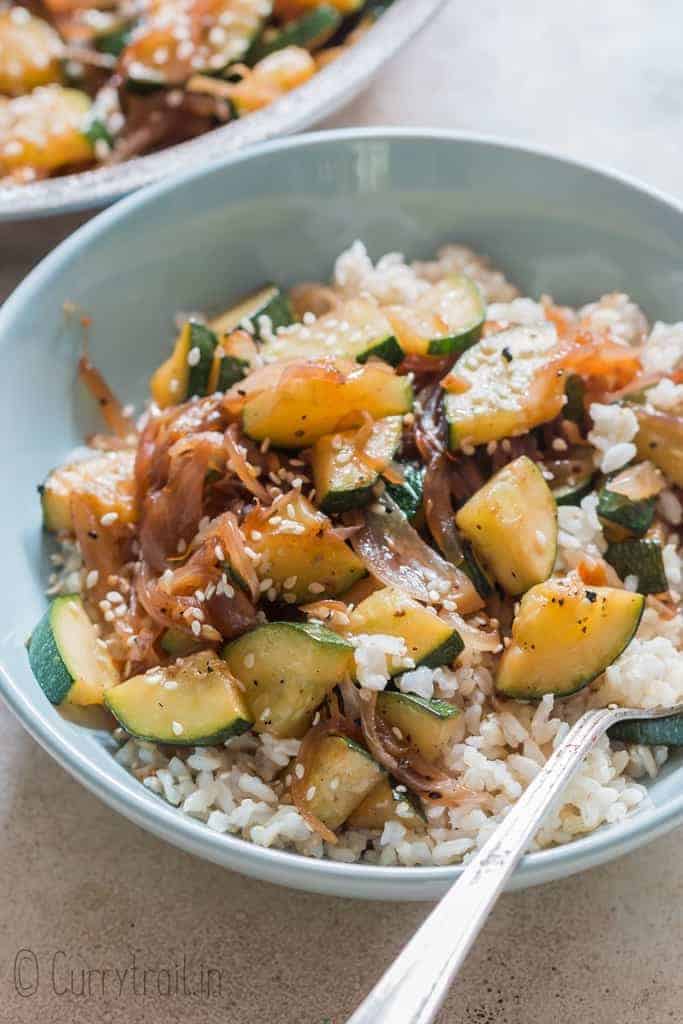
(430, 640)
(626, 504)
(341, 775)
(447, 319)
(298, 552)
(651, 732)
(511, 523)
(268, 302)
(564, 635)
(483, 582)
(45, 130)
(357, 330)
(408, 495)
(179, 644)
(388, 803)
(575, 393)
(30, 51)
(287, 669)
(194, 702)
(312, 30)
(107, 478)
(344, 476)
(301, 409)
(572, 476)
(503, 386)
(72, 665)
(660, 439)
(186, 371)
(642, 559)
(430, 726)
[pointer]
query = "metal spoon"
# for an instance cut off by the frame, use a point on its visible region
(415, 986)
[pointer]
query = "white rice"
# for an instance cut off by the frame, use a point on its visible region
(618, 314)
(663, 350)
(239, 788)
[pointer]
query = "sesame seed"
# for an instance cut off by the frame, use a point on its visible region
(299, 771)
(265, 585)
(108, 518)
(316, 588)
(290, 582)
(193, 356)
(114, 597)
(256, 535)
(310, 793)
(218, 552)
(91, 579)
(196, 627)
(177, 728)
(249, 660)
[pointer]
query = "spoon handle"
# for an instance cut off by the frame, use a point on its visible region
(413, 989)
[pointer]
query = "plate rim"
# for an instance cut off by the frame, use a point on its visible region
(282, 867)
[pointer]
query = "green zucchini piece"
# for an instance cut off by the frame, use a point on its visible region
(626, 504)
(575, 393)
(564, 635)
(96, 131)
(408, 495)
(430, 726)
(107, 479)
(295, 414)
(660, 439)
(475, 570)
(503, 386)
(357, 330)
(267, 302)
(300, 552)
(311, 31)
(194, 702)
(447, 319)
(344, 477)
(642, 559)
(71, 664)
(511, 523)
(651, 732)
(202, 341)
(634, 518)
(287, 670)
(430, 640)
(187, 370)
(341, 775)
(179, 644)
(115, 39)
(386, 802)
(572, 476)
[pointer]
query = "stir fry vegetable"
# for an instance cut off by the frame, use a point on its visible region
(96, 83)
(356, 531)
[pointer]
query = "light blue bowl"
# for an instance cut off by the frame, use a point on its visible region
(283, 212)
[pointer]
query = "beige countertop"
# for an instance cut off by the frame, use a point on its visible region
(82, 890)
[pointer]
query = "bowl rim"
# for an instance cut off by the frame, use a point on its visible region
(328, 90)
(275, 865)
